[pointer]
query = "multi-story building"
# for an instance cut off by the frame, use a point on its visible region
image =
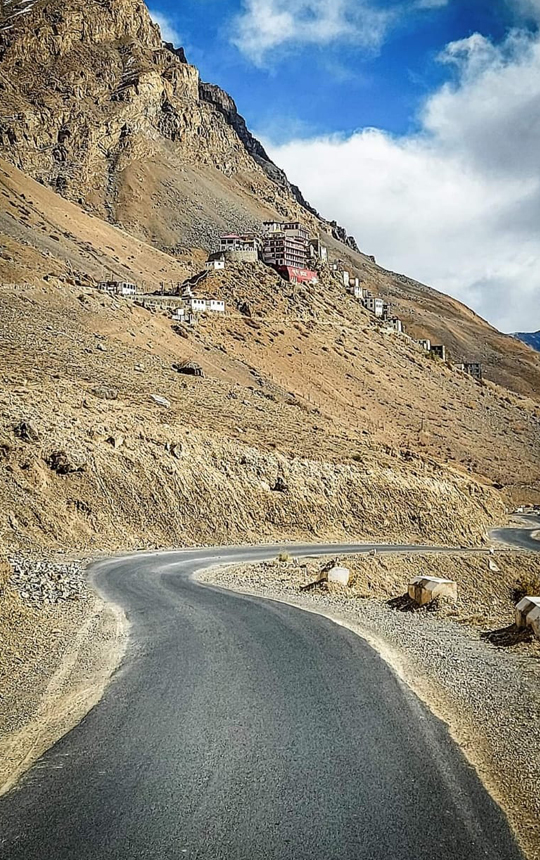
(396, 324)
(239, 242)
(373, 304)
(318, 251)
(286, 245)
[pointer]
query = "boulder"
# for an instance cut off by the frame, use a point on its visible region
(116, 441)
(106, 392)
(425, 589)
(341, 575)
(64, 464)
(26, 432)
(190, 368)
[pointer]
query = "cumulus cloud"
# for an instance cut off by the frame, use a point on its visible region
(169, 33)
(457, 204)
(264, 25)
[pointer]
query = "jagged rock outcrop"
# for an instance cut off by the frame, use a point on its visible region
(96, 106)
(227, 106)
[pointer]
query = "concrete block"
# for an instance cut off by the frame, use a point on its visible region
(424, 589)
(341, 575)
(534, 621)
(528, 614)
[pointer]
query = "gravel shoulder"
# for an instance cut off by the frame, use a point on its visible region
(60, 644)
(488, 696)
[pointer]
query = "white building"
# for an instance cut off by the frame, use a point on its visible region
(201, 306)
(118, 288)
(126, 290)
(197, 306)
(356, 290)
(318, 251)
(346, 278)
(216, 306)
(376, 306)
(296, 230)
(215, 265)
(272, 227)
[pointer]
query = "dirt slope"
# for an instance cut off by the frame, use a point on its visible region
(320, 345)
(234, 456)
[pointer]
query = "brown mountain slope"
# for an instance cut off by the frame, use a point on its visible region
(88, 457)
(352, 383)
(95, 106)
(429, 313)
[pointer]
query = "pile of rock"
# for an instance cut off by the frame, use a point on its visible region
(47, 582)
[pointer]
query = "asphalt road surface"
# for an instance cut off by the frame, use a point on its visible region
(244, 729)
(521, 537)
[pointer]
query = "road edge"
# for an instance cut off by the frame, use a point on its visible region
(76, 687)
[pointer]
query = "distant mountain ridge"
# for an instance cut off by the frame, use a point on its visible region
(532, 338)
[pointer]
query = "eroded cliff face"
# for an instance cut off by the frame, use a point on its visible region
(89, 90)
(100, 90)
(97, 107)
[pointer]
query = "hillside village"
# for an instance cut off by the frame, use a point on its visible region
(287, 248)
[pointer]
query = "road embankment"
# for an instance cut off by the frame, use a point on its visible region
(60, 644)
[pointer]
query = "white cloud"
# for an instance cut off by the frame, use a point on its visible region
(527, 7)
(456, 205)
(265, 25)
(169, 33)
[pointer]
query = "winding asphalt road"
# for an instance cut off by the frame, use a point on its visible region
(522, 538)
(244, 729)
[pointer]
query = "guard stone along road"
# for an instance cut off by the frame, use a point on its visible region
(244, 729)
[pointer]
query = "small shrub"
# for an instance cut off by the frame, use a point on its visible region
(284, 557)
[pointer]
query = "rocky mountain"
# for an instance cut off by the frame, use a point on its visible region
(530, 338)
(310, 419)
(97, 107)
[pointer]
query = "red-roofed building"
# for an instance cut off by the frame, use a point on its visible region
(298, 276)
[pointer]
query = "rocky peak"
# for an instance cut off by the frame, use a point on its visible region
(91, 94)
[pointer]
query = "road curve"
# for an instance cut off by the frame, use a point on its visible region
(245, 729)
(522, 538)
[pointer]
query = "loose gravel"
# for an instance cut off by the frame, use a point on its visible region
(46, 582)
(490, 697)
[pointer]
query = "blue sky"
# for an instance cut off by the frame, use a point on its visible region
(414, 123)
(340, 86)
